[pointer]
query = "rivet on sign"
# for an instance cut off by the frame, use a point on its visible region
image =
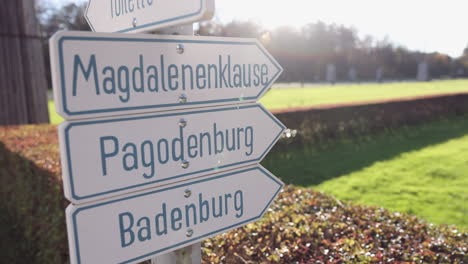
(187, 193)
(134, 22)
(183, 98)
(185, 164)
(182, 123)
(180, 48)
(189, 232)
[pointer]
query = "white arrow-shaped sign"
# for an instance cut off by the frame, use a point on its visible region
(145, 15)
(135, 228)
(105, 158)
(98, 75)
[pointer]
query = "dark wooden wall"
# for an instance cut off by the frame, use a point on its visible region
(23, 84)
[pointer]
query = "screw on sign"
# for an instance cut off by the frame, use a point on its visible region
(183, 98)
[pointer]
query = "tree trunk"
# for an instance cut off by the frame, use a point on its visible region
(23, 84)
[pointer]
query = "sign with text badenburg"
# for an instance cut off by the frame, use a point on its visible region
(98, 75)
(145, 15)
(135, 228)
(104, 158)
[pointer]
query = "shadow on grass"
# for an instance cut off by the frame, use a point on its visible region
(314, 164)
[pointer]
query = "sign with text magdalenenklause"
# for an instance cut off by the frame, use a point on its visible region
(109, 157)
(135, 228)
(137, 16)
(100, 74)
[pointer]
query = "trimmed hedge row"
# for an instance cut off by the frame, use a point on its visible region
(31, 197)
(302, 226)
(318, 124)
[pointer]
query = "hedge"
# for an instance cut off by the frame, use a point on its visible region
(302, 226)
(31, 196)
(329, 122)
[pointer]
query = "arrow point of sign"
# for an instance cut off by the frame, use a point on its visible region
(275, 76)
(278, 123)
(277, 185)
(87, 17)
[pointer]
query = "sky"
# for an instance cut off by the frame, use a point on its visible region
(425, 25)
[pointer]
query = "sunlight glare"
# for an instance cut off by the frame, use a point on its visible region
(411, 23)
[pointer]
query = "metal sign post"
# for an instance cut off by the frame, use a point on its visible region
(187, 255)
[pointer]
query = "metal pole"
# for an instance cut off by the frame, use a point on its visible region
(177, 30)
(190, 254)
(187, 255)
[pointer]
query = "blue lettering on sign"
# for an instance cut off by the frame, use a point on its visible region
(124, 7)
(152, 152)
(123, 81)
(78, 65)
(166, 220)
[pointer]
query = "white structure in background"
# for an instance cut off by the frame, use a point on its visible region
(423, 72)
(379, 74)
(352, 75)
(331, 73)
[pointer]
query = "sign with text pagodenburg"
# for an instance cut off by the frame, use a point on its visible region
(108, 157)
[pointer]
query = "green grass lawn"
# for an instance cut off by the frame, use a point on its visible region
(54, 117)
(421, 170)
(309, 96)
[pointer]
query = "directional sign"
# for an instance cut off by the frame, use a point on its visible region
(104, 158)
(145, 15)
(97, 75)
(135, 228)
